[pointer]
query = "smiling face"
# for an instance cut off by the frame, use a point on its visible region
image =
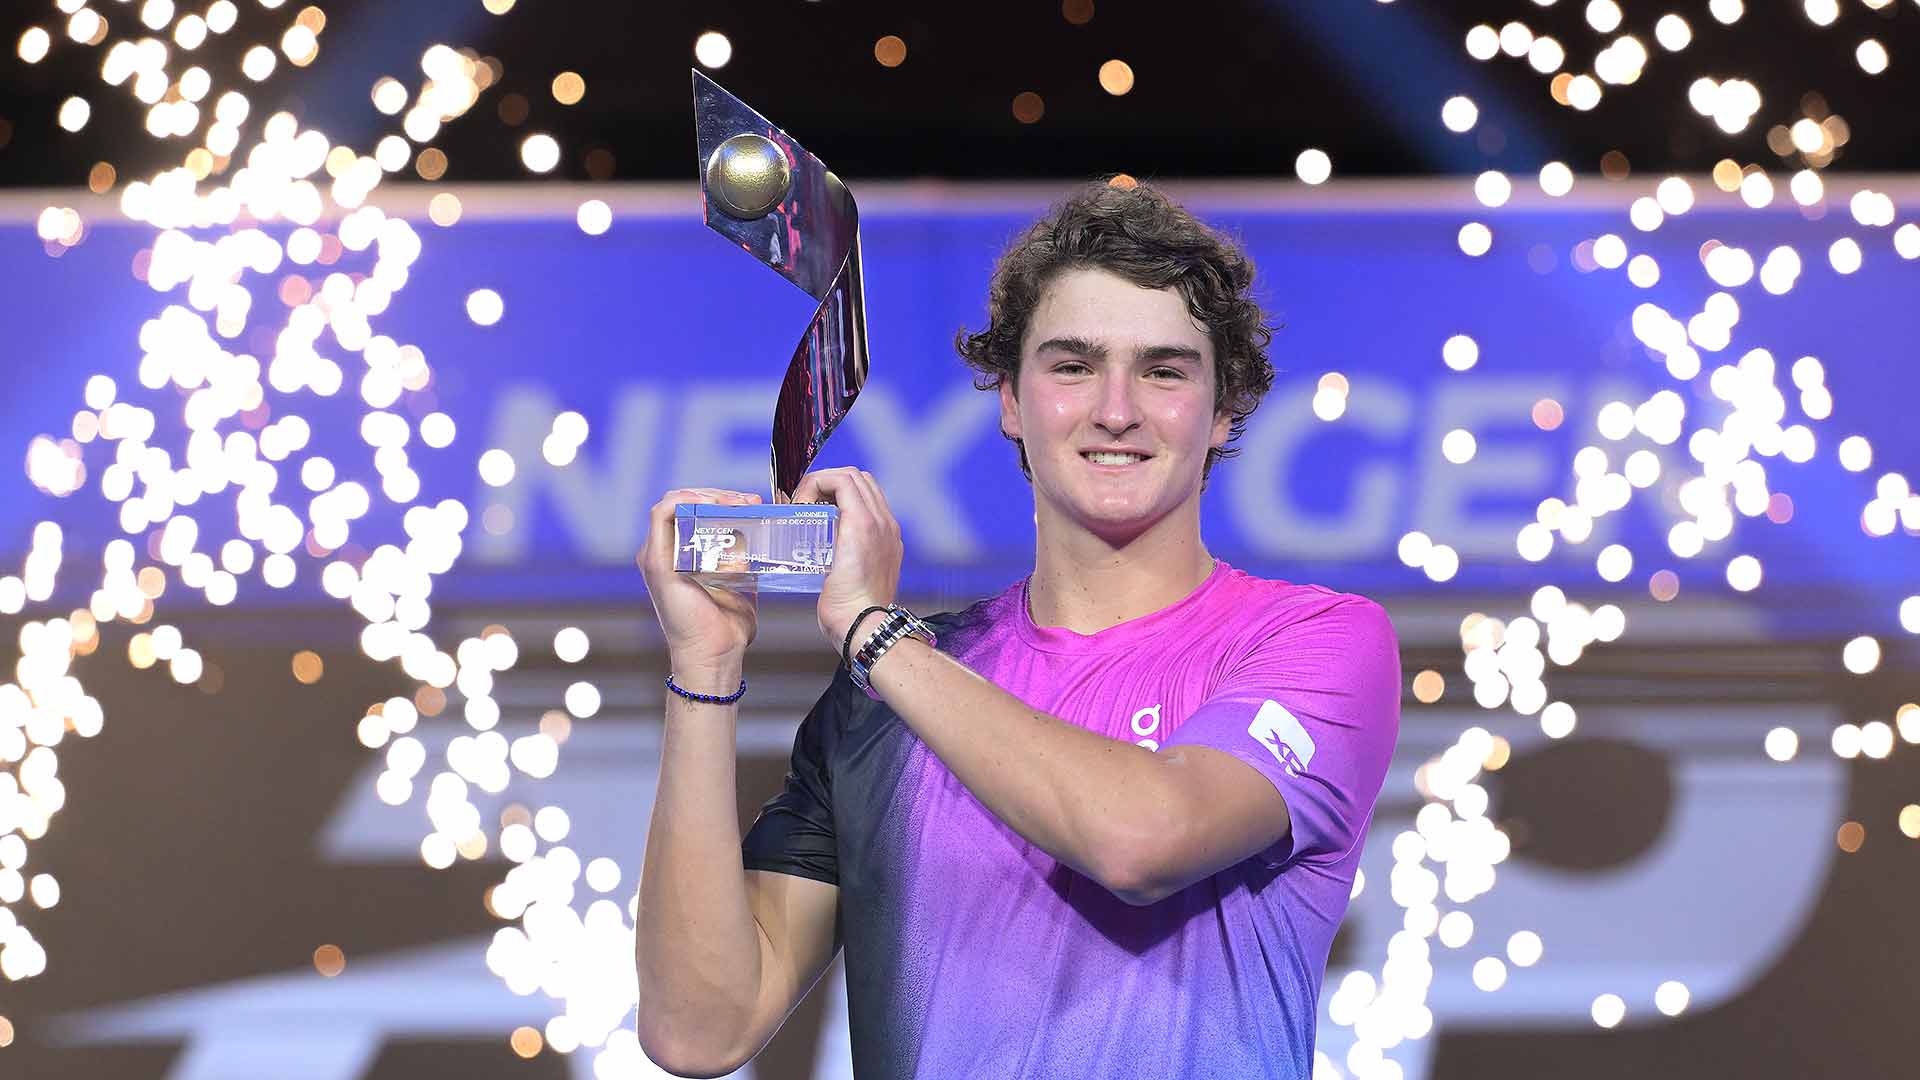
(1114, 405)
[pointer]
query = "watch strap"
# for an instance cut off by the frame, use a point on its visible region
(899, 623)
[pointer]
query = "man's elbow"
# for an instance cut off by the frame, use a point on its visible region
(1143, 896)
(1134, 875)
(1144, 870)
(682, 1056)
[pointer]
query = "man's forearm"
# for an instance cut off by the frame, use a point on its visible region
(697, 946)
(1099, 805)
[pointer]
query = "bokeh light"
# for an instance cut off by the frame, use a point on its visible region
(485, 307)
(1459, 114)
(595, 217)
(1313, 166)
(540, 153)
(712, 50)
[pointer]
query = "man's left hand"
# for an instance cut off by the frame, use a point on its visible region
(867, 550)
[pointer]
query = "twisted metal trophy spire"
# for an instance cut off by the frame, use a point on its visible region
(765, 192)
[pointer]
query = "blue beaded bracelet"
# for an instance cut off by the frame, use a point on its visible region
(708, 699)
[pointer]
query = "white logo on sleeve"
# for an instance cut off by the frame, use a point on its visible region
(1281, 734)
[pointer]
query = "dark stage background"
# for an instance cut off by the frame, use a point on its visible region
(305, 788)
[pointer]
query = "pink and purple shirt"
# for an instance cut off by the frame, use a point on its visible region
(972, 953)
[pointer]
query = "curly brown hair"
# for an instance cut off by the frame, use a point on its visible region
(1136, 232)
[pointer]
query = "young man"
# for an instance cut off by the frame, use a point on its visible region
(1107, 823)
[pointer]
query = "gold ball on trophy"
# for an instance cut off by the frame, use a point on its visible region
(748, 176)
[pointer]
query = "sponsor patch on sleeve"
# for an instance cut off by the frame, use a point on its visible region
(1283, 736)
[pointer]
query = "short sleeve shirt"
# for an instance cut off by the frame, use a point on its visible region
(971, 952)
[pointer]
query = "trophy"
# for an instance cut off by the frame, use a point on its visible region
(763, 191)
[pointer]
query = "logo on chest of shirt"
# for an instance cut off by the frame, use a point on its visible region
(1282, 735)
(1146, 725)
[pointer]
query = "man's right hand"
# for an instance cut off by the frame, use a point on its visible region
(703, 624)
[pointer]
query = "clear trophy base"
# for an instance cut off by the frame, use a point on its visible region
(768, 547)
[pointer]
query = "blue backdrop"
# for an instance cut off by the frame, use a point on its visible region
(670, 342)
